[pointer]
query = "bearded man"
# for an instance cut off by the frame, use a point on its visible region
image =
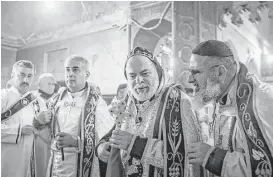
(242, 125)
(157, 125)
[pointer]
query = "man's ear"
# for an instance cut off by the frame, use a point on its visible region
(87, 74)
(222, 73)
(11, 75)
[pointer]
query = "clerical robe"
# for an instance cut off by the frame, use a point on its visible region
(17, 149)
(162, 129)
(83, 114)
(243, 129)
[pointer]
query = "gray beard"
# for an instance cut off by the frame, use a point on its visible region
(143, 97)
(211, 93)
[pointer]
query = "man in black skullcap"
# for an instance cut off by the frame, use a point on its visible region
(242, 128)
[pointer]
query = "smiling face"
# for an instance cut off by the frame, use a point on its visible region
(206, 82)
(22, 78)
(76, 74)
(142, 77)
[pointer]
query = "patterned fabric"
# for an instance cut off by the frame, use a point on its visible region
(23, 102)
(87, 133)
(174, 143)
(213, 48)
(158, 149)
(259, 152)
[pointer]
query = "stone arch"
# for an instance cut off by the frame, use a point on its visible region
(149, 38)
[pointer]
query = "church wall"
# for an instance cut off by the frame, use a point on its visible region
(106, 51)
(8, 58)
(194, 23)
(244, 50)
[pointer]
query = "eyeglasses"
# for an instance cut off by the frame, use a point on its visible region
(194, 72)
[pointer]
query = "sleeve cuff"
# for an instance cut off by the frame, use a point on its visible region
(131, 144)
(137, 147)
(214, 163)
(207, 156)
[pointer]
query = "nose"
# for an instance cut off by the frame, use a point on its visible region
(26, 79)
(191, 79)
(139, 79)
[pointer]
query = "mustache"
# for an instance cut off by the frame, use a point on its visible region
(24, 83)
(140, 86)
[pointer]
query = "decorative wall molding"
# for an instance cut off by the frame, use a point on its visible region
(9, 47)
(235, 9)
(152, 10)
(145, 4)
(11, 42)
(60, 34)
(108, 16)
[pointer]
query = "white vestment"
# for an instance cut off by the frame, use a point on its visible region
(71, 108)
(42, 145)
(16, 149)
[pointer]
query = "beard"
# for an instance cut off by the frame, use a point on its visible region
(143, 92)
(211, 93)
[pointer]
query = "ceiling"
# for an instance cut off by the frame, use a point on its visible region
(22, 21)
(26, 22)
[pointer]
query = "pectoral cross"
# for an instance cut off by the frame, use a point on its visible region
(120, 113)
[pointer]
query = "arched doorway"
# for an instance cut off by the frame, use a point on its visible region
(158, 41)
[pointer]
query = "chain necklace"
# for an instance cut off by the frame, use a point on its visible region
(141, 109)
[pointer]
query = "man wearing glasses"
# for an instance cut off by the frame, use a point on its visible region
(242, 125)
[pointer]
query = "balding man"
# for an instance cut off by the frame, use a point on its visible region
(46, 83)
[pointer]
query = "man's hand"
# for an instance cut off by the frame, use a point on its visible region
(66, 140)
(103, 151)
(197, 152)
(121, 139)
(27, 130)
(44, 116)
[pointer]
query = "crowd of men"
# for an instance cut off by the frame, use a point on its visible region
(151, 129)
